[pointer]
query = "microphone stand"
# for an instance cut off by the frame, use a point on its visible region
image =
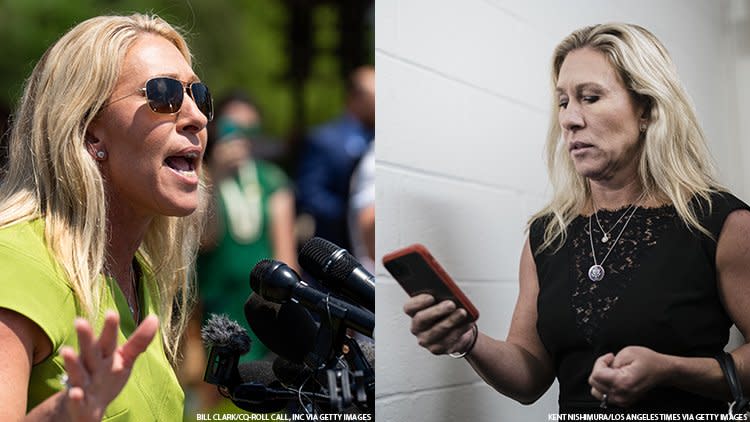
(333, 374)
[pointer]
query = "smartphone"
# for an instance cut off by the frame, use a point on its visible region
(417, 271)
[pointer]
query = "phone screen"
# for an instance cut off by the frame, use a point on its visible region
(416, 276)
(418, 272)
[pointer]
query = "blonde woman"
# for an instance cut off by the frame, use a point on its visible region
(99, 222)
(634, 272)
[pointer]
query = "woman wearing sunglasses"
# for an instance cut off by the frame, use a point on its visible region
(100, 213)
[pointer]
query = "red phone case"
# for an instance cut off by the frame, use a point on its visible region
(417, 271)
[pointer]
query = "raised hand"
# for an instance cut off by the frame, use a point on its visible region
(99, 372)
(440, 328)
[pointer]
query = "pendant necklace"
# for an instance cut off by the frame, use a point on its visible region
(596, 271)
(606, 234)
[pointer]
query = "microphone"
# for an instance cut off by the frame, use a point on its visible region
(290, 373)
(227, 341)
(251, 386)
(288, 330)
(257, 371)
(261, 392)
(276, 282)
(330, 263)
(350, 388)
(258, 389)
(294, 373)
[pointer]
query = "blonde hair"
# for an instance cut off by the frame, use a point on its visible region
(675, 164)
(51, 174)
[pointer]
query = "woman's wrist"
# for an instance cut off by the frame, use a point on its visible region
(701, 375)
(669, 369)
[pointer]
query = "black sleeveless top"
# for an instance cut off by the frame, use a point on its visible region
(659, 291)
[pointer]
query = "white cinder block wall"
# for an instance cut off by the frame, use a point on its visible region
(462, 108)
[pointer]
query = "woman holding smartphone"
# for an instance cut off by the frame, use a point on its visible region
(634, 272)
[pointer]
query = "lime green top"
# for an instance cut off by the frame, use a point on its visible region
(33, 284)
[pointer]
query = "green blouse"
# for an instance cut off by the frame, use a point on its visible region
(33, 284)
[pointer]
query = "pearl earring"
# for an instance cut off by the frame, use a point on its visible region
(643, 127)
(100, 154)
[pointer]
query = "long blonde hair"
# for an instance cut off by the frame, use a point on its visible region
(51, 174)
(675, 164)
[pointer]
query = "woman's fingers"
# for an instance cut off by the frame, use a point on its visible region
(427, 318)
(76, 404)
(445, 335)
(139, 340)
(89, 353)
(450, 341)
(78, 376)
(602, 376)
(107, 342)
(94, 376)
(457, 336)
(417, 303)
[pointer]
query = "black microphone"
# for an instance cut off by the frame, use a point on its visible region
(339, 271)
(295, 373)
(290, 373)
(259, 389)
(227, 341)
(288, 330)
(276, 282)
(352, 393)
(257, 371)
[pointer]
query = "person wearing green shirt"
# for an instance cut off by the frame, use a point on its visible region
(252, 218)
(101, 210)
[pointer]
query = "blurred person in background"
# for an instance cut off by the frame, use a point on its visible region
(329, 156)
(361, 213)
(252, 216)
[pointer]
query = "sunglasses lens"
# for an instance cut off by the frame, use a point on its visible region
(202, 98)
(164, 95)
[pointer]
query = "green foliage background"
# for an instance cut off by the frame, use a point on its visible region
(236, 43)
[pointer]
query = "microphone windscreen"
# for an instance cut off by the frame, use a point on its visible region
(288, 330)
(222, 331)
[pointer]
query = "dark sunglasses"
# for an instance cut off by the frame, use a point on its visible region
(165, 95)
